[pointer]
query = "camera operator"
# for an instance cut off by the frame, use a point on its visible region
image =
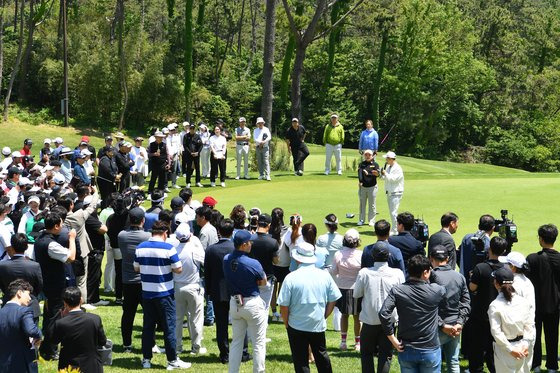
(404, 240)
(474, 246)
(449, 225)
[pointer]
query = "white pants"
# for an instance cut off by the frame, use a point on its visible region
(367, 196)
(242, 152)
(394, 200)
(189, 300)
(205, 161)
(266, 293)
(263, 161)
(505, 363)
(251, 319)
(337, 150)
(336, 319)
(109, 274)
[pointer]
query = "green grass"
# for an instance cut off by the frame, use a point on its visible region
(431, 188)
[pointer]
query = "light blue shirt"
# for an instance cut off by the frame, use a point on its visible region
(368, 140)
(322, 255)
(307, 299)
(332, 242)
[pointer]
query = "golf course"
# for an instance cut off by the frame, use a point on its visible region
(431, 189)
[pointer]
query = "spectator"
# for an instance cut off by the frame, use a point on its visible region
(368, 138)
(333, 138)
(449, 225)
(404, 241)
(395, 260)
(282, 268)
(474, 247)
(262, 138)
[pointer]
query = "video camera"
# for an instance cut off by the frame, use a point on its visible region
(420, 231)
(506, 229)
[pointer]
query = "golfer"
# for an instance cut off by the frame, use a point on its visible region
(368, 171)
(393, 175)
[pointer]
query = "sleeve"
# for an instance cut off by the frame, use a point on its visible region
(333, 291)
(395, 175)
(386, 312)
(92, 206)
(529, 325)
(325, 134)
(361, 142)
(342, 134)
(494, 315)
(21, 227)
(268, 137)
(475, 278)
(375, 141)
(359, 285)
(174, 258)
(58, 252)
(366, 262)
(5, 238)
(101, 338)
(361, 173)
(136, 264)
(334, 268)
(208, 274)
(284, 297)
(259, 271)
(28, 326)
(464, 303)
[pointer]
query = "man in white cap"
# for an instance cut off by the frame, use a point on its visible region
(159, 162)
(58, 145)
(333, 138)
(7, 153)
(393, 176)
(262, 137)
(242, 137)
(175, 148)
(33, 202)
(304, 306)
(46, 145)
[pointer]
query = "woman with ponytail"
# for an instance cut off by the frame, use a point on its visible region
(512, 325)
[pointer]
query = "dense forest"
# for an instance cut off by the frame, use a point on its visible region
(465, 80)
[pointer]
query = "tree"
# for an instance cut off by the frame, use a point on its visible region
(188, 63)
(268, 62)
(119, 19)
(17, 63)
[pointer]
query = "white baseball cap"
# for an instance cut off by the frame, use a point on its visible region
(514, 258)
(58, 140)
(242, 119)
(165, 130)
(172, 126)
(59, 179)
(6, 151)
(34, 199)
(16, 154)
(186, 124)
(260, 120)
(86, 152)
(390, 154)
(183, 232)
(47, 141)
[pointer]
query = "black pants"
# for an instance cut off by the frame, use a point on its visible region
(221, 313)
(95, 258)
(299, 154)
(481, 348)
(191, 164)
(299, 343)
(105, 190)
(118, 279)
(125, 182)
(132, 297)
(373, 339)
(215, 165)
(159, 173)
(550, 324)
(52, 306)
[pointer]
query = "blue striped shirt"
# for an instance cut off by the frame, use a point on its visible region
(156, 260)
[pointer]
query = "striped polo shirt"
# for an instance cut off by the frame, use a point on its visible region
(156, 259)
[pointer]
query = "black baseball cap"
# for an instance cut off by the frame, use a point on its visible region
(13, 171)
(265, 218)
(137, 213)
(177, 202)
(439, 252)
(503, 275)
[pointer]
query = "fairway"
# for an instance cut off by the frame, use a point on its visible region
(431, 188)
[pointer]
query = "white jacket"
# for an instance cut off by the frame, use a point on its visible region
(394, 179)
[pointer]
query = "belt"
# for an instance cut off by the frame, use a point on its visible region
(394, 193)
(246, 298)
(243, 143)
(516, 339)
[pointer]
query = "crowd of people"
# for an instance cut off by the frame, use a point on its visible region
(61, 215)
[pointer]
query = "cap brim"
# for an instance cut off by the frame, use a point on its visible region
(503, 259)
(303, 259)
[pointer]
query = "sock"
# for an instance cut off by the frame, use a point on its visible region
(343, 337)
(357, 339)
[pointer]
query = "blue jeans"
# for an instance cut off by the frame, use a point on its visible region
(450, 349)
(156, 310)
(413, 360)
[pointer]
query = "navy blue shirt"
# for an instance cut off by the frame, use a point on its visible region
(408, 245)
(242, 274)
(395, 258)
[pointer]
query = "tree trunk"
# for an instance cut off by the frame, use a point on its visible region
(16, 6)
(240, 28)
(170, 8)
(122, 60)
(253, 11)
(334, 39)
(1, 45)
(200, 15)
(188, 56)
(16, 64)
(378, 77)
(268, 62)
(297, 72)
(27, 54)
(286, 68)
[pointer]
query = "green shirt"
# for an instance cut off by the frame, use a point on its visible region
(333, 135)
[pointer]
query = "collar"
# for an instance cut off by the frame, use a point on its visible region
(13, 302)
(75, 310)
(415, 281)
(156, 238)
(445, 267)
(18, 256)
(378, 265)
(446, 230)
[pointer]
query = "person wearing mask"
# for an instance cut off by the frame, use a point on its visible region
(333, 138)
(474, 246)
(52, 257)
(368, 171)
(205, 153)
(395, 260)
(404, 240)
(248, 312)
(217, 288)
(159, 163)
(373, 284)
(80, 334)
(218, 148)
(262, 138)
(545, 276)
(346, 265)
(480, 345)
(392, 174)
(305, 305)
(242, 140)
(512, 325)
(417, 303)
(368, 138)
(192, 148)
(189, 294)
(128, 241)
(139, 155)
(449, 225)
(454, 311)
(19, 334)
(295, 138)
(156, 256)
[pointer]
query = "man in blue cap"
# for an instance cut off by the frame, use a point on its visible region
(247, 309)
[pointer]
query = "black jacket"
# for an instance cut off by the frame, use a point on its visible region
(365, 175)
(408, 245)
(192, 144)
(214, 280)
(107, 170)
(444, 238)
(21, 268)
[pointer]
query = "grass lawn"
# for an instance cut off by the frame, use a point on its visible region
(431, 188)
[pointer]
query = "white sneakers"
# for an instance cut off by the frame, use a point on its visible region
(212, 185)
(146, 364)
(188, 185)
(223, 185)
(199, 185)
(88, 307)
(360, 223)
(237, 178)
(157, 350)
(101, 303)
(201, 351)
(371, 222)
(178, 364)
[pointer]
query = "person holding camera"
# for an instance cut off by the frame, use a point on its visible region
(392, 174)
(368, 171)
(474, 246)
(248, 310)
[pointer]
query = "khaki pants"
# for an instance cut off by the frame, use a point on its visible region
(242, 153)
(189, 300)
(367, 197)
